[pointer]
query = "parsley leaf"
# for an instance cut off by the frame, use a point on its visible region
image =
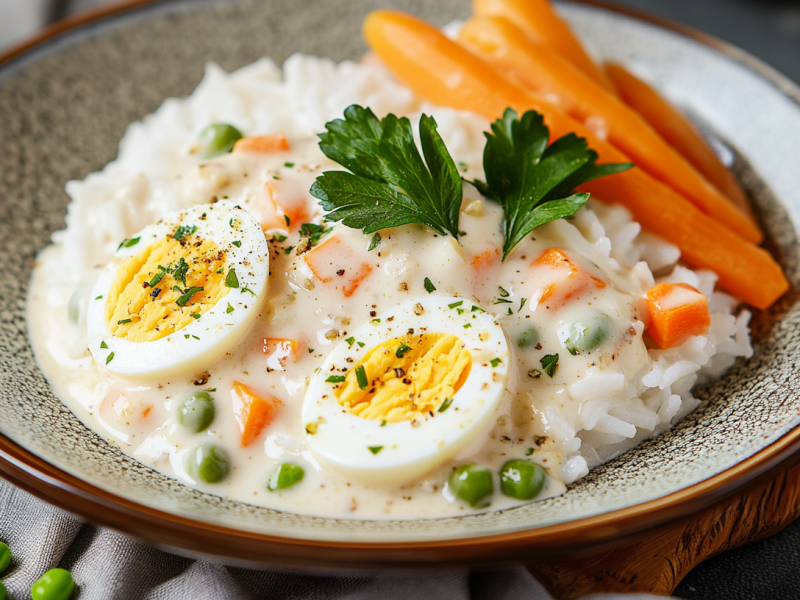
(534, 181)
(389, 183)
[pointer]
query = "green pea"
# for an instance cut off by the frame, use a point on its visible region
(217, 139)
(5, 557)
(3, 592)
(522, 479)
(528, 337)
(74, 307)
(473, 484)
(56, 584)
(588, 333)
(207, 463)
(196, 411)
(285, 476)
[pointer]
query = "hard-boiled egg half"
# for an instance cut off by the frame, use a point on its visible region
(408, 391)
(180, 293)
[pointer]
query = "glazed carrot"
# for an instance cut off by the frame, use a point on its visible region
(282, 210)
(447, 74)
(262, 144)
(545, 72)
(676, 312)
(277, 350)
(542, 24)
(482, 265)
(675, 129)
(558, 279)
(334, 261)
(253, 412)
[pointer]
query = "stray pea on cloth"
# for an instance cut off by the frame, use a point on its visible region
(109, 565)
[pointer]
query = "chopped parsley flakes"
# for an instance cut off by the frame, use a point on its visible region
(187, 295)
(231, 280)
(376, 239)
(361, 377)
(550, 364)
(184, 231)
(445, 405)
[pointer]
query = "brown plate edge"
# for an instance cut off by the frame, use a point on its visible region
(55, 486)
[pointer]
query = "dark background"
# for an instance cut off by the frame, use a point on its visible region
(768, 29)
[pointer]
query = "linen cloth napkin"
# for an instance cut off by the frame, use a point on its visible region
(107, 565)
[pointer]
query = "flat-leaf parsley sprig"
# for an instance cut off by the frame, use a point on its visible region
(389, 184)
(534, 181)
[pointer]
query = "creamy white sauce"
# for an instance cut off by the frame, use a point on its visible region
(138, 416)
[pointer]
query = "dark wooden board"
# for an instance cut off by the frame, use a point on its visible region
(657, 563)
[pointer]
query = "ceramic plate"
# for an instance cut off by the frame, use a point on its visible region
(66, 100)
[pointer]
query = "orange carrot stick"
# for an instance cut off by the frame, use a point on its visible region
(263, 144)
(677, 311)
(447, 74)
(545, 72)
(677, 130)
(542, 24)
(253, 412)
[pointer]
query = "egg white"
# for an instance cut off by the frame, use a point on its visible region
(217, 329)
(341, 440)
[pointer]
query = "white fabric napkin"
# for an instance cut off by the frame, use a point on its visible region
(109, 565)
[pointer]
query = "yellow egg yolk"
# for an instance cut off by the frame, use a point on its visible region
(150, 299)
(406, 377)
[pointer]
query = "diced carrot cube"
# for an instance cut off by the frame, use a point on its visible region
(278, 350)
(283, 209)
(253, 411)
(677, 311)
(559, 279)
(263, 144)
(482, 265)
(120, 412)
(335, 261)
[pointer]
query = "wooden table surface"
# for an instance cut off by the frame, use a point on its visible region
(662, 559)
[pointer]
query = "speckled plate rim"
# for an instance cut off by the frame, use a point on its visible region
(51, 484)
